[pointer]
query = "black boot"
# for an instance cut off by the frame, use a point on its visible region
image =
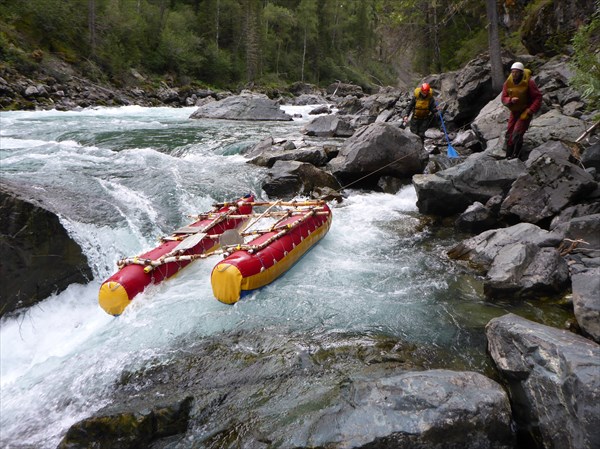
(510, 150)
(518, 145)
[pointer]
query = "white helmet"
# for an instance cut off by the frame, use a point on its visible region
(518, 66)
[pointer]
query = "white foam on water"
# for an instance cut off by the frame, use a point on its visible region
(60, 358)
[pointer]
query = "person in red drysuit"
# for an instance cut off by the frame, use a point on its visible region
(522, 96)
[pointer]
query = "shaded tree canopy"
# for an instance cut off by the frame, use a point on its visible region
(230, 43)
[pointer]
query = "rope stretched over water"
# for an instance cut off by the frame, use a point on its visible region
(375, 171)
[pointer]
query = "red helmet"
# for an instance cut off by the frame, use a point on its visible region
(425, 88)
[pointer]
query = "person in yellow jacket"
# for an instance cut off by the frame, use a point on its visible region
(521, 95)
(423, 105)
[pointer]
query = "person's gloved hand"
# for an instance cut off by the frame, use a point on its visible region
(525, 115)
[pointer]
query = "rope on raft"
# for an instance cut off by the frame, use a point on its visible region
(279, 203)
(171, 257)
(151, 263)
(218, 218)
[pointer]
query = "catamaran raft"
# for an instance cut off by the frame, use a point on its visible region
(254, 254)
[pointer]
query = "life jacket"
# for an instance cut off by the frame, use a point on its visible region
(422, 104)
(520, 91)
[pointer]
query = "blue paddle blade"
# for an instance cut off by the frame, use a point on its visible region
(452, 152)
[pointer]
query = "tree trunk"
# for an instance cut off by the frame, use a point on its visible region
(92, 25)
(252, 40)
(494, 44)
(304, 51)
(217, 19)
(437, 58)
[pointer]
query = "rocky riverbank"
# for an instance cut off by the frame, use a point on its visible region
(534, 227)
(56, 85)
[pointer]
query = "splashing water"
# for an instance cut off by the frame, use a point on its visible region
(119, 179)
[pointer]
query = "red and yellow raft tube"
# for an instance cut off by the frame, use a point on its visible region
(252, 265)
(174, 253)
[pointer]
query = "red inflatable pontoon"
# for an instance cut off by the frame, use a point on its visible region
(263, 259)
(177, 251)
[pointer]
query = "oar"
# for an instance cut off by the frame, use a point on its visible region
(452, 153)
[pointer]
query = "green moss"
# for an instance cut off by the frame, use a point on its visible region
(586, 63)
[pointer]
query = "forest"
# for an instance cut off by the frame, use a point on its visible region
(233, 43)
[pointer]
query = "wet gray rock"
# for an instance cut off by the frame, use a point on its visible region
(550, 184)
(280, 390)
(287, 179)
(38, 255)
(522, 270)
(381, 149)
(329, 126)
(552, 376)
(129, 429)
(478, 178)
(437, 409)
(247, 106)
(266, 152)
(314, 155)
(482, 249)
(476, 218)
(586, 301)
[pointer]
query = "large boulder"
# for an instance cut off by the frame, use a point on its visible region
(287, 179)
(266, 152)
(436, 409)
(381, 149)
(479, 178)
(586, 301)
(490, 124)
(283, 390)
(581, 242)
(553, 381)
(481, 250)
(466, 91)
(329, 126)
(553, 126)
(247, 106)
(522, 270)
(519, 262)
(550, 184)
(39, 257)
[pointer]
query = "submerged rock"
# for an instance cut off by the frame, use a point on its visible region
(129, 429)
(267, 389)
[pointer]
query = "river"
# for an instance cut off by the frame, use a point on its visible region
(123, 177)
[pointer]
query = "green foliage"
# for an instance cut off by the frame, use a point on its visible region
(586, 62)
(475, 43)
(512, 42)
(227, 43)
